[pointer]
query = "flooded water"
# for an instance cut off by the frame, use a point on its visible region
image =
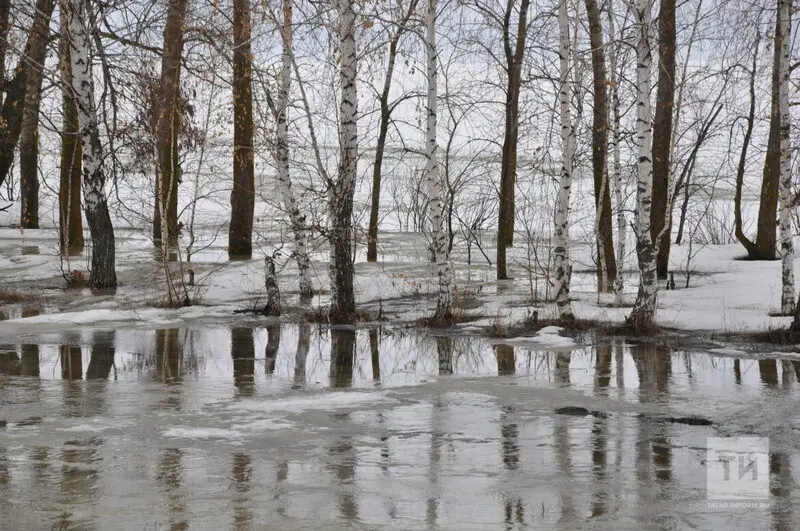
(296, 426)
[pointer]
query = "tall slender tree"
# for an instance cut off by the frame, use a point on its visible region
(11, 113)
(568, 142)
(433, 178)
(643, 314)
(341, 192)
(616, 138)
(514, 53)
(766, 241)
(103, 273)
(5, 13)
(785, 213)
(29, 127)
(386, 109)
(243, 194)
(660, 214)
(606, 263)
(70, 224)
(165, 225)
(290, 203)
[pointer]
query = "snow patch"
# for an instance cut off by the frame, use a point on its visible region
(319, 401)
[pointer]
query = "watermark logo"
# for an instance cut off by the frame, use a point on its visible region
(737, 470)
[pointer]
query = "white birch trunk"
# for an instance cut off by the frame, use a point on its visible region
(785, 213)
(95, 203)
(643, 313)
(282, 156)
(273, 304)
(561, 218)
(432, 175)
(341, 192)
(622, 233)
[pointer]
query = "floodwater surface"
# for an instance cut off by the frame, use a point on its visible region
(296, 426)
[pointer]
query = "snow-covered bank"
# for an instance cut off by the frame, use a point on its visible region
(725, 294)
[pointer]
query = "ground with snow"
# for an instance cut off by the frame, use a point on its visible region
(724, 293)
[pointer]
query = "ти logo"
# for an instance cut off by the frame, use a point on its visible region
(737, 468)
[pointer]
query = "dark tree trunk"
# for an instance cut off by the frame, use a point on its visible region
(71, 363)
(386, 114)
(70, 222)
(244, 360)
(343, 349)
(102, 359)
(240, 234)
(606, 261)
(662, 136)
(380, 147)
(766, 238)
(29, 128)
(508, 164)
(168, 127)
(14, 104)
(748, 133)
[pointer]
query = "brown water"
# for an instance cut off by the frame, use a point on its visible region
(294, 427)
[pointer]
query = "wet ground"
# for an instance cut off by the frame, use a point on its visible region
(295, 426)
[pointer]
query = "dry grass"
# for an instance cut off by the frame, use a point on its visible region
(9, 296)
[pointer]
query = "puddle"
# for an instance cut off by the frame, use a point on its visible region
(296, 426)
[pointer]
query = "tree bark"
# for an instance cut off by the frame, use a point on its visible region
(749, 246)
(70, 223)
(561, 218)
(104, 274)
(508, 164)
(343, 304)
(165, 225)
(433, 177)
(643, 314)
(282, 157)
(383, 130)
(29, 127)
(785, 214)
(11, 114)
(243, 194)
(606, 263)
(5, 12)
(660, 226)
(765, 244)
(616, 138)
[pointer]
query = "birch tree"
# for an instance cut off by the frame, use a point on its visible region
(433, 178)
(297, 220)
(785, 213)
(340, 192)
(561, 218)
(622, 234)
(643, 314)
(103, 273)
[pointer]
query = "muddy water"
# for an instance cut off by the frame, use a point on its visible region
(297, 427)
